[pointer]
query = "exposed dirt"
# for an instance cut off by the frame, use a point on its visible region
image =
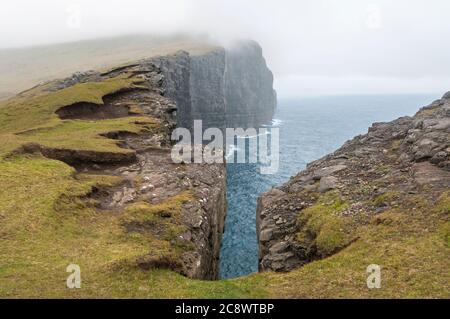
(77, 158)
(91, 111)
(111, 108)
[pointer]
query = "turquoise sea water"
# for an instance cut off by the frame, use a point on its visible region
(309, 129)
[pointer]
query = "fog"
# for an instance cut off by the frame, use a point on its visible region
(314, 47)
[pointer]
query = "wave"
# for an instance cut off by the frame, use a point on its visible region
(274, 123)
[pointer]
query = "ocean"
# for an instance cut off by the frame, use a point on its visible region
(309, 128)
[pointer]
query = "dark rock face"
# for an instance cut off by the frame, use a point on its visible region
(224, 88)
(249, 94)
(388, 164)
(176, 71)
(207, 85)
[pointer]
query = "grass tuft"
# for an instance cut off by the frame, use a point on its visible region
(322, 230)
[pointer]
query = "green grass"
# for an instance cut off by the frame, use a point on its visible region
(385, 198)
(85, 135)
(322, 230)
(160, 226)
(31, 118)
(169, 208)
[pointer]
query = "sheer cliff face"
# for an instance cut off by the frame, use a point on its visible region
(249, 95)
(224, 88)
(176, 71)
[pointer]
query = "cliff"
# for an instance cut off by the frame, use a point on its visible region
(223, 87)
(382, 198)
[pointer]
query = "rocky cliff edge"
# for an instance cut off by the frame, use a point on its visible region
(382, 198)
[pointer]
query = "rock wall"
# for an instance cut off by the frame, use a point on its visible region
(249, 95)
(207, 84)
(176, 71)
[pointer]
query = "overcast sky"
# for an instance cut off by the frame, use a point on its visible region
(313, 46)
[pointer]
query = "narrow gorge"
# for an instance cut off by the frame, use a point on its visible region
(225, 88)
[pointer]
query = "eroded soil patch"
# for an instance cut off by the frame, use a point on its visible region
(113, 107)
(91, 111)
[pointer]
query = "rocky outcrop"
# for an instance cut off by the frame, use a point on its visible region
(394, 167)
(223, 87)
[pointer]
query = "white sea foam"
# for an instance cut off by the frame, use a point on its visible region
(274, 123)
